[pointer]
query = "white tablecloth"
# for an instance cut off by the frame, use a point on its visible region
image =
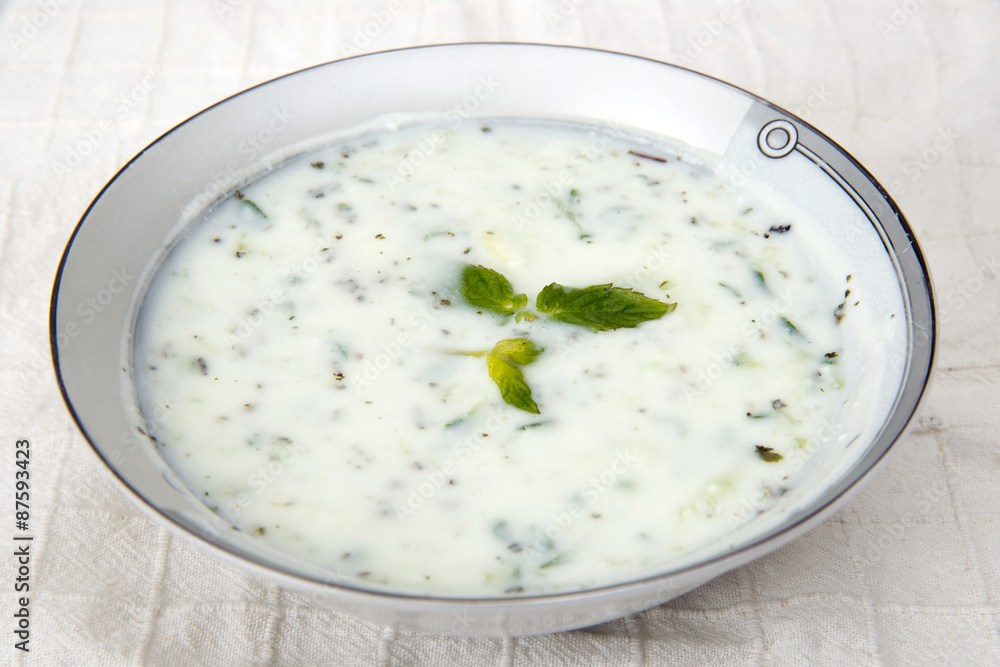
(907, 573)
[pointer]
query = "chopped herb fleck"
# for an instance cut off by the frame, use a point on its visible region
(733, 291)
(791, 328)
(551, 563)
(768, 454)
(760, 278)
(253, 207)
(840, 311)
(648, 157)
(532, 425)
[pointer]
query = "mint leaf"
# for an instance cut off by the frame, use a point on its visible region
(485, 288)
(514, 388)
(503, 363)
(520, 351)
(600, 307)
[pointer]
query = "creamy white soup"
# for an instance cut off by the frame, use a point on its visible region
(493, 359)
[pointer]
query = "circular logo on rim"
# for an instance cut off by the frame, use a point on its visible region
(777, 138)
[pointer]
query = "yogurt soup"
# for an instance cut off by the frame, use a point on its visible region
(485, 360)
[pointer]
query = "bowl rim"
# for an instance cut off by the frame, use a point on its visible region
(755, 548)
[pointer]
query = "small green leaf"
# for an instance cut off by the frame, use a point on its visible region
(520, 351)
(759, 275)
(532, 425)
(768, 454)
(551, 562)
(600, 307)
(790, 328)
(514, 388)
(733, 291)
(485, 288)
(253, 207)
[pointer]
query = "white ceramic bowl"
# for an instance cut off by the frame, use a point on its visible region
(751, 141)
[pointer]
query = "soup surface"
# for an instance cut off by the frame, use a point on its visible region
(487, 360)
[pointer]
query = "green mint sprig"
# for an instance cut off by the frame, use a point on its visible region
(504, 363)
(598, 308)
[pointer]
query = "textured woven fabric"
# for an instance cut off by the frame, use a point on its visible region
(908, 572)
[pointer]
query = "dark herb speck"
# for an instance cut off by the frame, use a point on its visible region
(768, 454)
(648, 157)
